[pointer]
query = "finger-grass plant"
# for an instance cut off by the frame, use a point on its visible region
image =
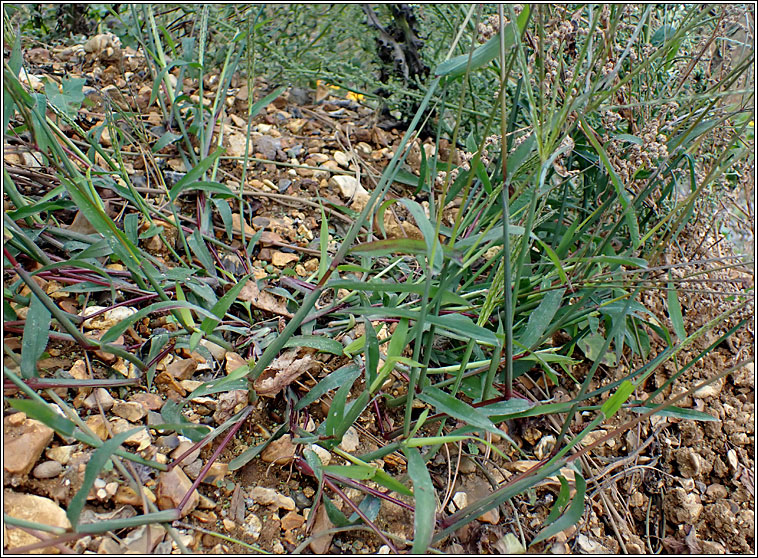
(535, 244)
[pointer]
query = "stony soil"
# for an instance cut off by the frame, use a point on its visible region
(668, 485)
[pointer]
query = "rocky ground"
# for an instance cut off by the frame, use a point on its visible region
(668, 485)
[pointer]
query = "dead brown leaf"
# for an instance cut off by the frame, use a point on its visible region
(284, 370)
(263, 300)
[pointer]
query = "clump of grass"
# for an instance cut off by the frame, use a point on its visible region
(531, 258)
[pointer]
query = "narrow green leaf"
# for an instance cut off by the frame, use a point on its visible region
(166, 139)
(225, 212)
(96, 462)
(453, 323)
(560, 502)
(165, 516)
(16, 59)
(121, 245)
(391, 287)
(370, 506)
(446, 403)
(388, 481)
(197, 244)
(419, 423)
(335, 515)
(186, 314)
(398, 340)
(371, 358)
(677, 412)
(615, 401)
(258, 105)
(427, 229)
(337, 413)
(323, 243)
(172, 414)
(509, 407)
(355, 472)
(389, 247)
(352, 411)
(44, 414)
(220, 308)
(205, 186)
(541, 317)
(435, 440)
(404, 176)
(571, 517)
(322, 344)
(623, 197)
(423, 174)
(314, 462)
(558, 265)
(194, 174)
(345, 375)
(621, 260)
(33, 209)
(425, 504)
(484, 54)
(675, 311)
(36, 333)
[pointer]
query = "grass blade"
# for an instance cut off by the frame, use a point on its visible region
(446, 403)
(425, 503)
(571, 517)
(96, 462)
(36, 333)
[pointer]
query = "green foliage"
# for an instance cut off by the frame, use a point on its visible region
(566, 190)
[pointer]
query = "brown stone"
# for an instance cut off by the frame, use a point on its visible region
(183, 446)
(100, 395)
(182, 369)
(47, 470)
(492, 516)
(234, 361)
(281, 259)
(172, 486)
(321, 544)
(132, 411)
(23, 444)
(150, 401)
(61, 454)
(270, 497)
(215, 472)
(31, 508)
(125, 495)
(292, 520)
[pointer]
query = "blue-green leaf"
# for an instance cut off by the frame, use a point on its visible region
(195, 173)
(345, 375)
(446, 403)
(96, 462)
(425, 504)
(323, 344)
(572, 516)
(484, 54)
(675, 311)
(34, 341)
(220, 308)
(541, 317)
(44, 414)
